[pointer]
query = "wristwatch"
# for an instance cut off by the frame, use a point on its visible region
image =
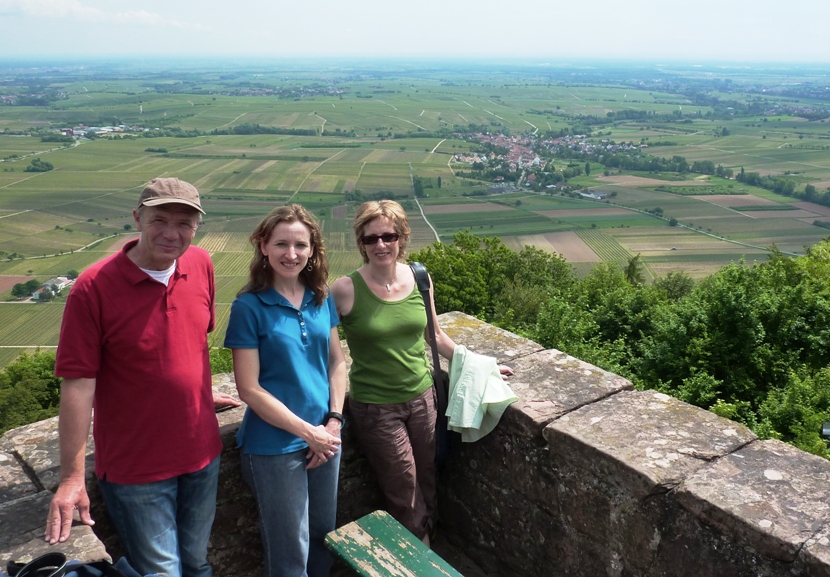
(334, 415)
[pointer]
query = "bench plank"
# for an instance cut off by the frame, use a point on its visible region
(378, 546)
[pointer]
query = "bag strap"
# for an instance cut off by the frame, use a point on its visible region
(47, 565)
(56, 565)
(422, 280)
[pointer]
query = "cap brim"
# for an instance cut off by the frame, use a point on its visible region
(159, 201)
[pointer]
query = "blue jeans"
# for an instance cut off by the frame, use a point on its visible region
(164, 526)
(297, 507)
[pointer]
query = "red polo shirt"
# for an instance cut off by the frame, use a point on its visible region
(146, 346)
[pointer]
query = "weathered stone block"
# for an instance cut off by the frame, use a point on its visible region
(235, 544)
(645, 441)
(816, 554)
(502, 459)
(550, 384)
(495, 491)
(687, 546)
(83, 545)
(486, 339)
(22, 523)
(14, 482)
(768, 495)
(23, 519)
(39, 448)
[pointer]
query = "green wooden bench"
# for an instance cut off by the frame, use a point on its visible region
(378, 546)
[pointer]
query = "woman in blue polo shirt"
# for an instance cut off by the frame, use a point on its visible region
(291, 372)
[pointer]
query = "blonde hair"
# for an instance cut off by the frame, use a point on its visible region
(261, 275)
(369, 211)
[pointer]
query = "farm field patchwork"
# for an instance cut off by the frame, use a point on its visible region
(736, 201)
(30, 325)
(464, 208)
(567, 244)
(90, 194)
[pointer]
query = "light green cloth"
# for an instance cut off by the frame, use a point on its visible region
(478, 395)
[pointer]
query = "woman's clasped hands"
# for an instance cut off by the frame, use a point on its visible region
(323, 443)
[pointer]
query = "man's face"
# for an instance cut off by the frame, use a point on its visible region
(166, 232)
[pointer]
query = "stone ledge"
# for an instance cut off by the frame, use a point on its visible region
(22, 523)
(769, 495)
(647, 441)
(14, 482)
(816, 554)
(38, 446)
(486, 339)
(551, 383)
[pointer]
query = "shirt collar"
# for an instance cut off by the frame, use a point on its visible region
(272, 297)
(135, 275)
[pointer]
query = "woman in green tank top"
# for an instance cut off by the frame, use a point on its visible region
(391, 398)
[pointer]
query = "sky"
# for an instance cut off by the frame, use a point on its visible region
(529, 30)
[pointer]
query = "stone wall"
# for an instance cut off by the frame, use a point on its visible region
(583, 477)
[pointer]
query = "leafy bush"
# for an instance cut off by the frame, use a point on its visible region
(221, 361)
(29, 391)
(750, 343)
(38, 165)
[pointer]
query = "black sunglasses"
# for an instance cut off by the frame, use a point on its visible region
(374, 238)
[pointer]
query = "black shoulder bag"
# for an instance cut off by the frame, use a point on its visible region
(443, 439)
(56, 565)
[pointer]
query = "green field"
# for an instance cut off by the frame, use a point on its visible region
(364, 135)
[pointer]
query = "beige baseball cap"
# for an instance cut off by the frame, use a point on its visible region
(170, 190)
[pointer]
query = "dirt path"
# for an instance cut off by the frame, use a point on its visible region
(234, 120)
(409, 121)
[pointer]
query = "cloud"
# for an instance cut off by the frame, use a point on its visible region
(75, 10)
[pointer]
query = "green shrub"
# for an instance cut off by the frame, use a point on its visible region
(29, 391)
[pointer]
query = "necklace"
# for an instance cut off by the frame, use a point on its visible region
(388, 285)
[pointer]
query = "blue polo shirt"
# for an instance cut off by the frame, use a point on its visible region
(293, 349)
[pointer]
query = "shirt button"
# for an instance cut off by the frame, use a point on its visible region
(303, 334)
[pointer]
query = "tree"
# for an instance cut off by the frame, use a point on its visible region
(38, 165)
(439, 182)
(72, 274)
(418, 186)
(587, 169)
(633, 270)
(467, 274)
(19, 290)
(31, 286)
(676, 285)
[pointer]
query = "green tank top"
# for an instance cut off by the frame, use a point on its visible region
(386, 342)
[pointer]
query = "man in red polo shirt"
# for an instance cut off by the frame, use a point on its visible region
(134, 343)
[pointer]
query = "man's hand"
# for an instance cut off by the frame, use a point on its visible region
(73, 428)
(222, 400)
(71, 495)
